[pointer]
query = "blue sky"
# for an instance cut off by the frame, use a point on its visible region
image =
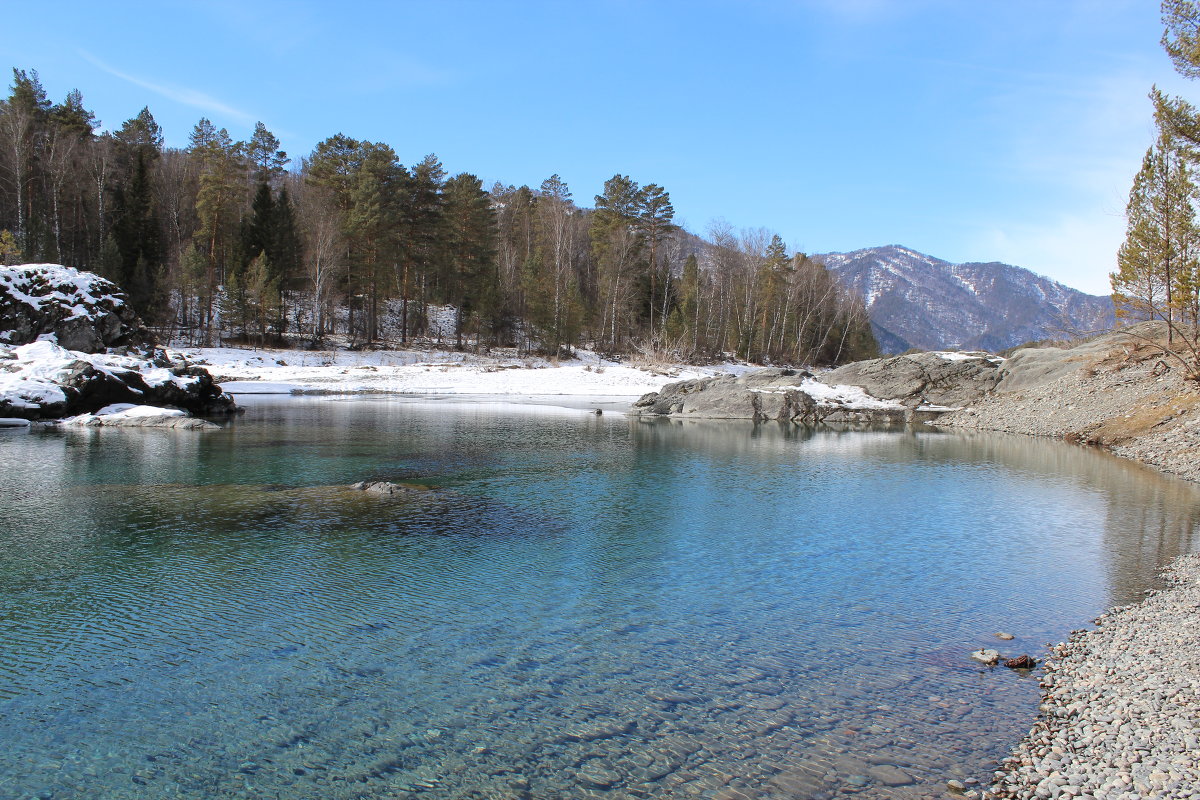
(971, 130)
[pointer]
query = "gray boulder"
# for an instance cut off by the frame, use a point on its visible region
(760, 395)
(766, 394)
(940, 379)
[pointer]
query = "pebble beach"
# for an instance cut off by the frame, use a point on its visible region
(1121, 708)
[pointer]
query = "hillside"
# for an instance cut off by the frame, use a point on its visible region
(918, 301)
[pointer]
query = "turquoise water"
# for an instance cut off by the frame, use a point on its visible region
(572, 606)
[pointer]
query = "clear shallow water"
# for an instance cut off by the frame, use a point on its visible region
(581, 605)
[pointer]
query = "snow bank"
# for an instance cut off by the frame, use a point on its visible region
(852, 398)
(433, 372)
(969, 355)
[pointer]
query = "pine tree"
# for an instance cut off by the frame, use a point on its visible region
(137, 234)
(1162, 242)
(9, 252)
(470, 226)
(221, 163)
(617, 243)
(264, 155)
(655, 215)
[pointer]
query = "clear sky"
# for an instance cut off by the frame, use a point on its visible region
(971, 130)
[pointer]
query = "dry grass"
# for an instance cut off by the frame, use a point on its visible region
(1142, 419)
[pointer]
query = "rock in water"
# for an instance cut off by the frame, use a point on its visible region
(1008, 637)
(1021, 662)
(42, 380)
(986, 657)
(389, 489)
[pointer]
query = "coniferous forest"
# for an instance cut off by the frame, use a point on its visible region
(230, 241)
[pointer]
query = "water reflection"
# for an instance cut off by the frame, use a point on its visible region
(580, 606)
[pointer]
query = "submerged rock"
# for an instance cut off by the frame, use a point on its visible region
(389, 489)
(986, 657)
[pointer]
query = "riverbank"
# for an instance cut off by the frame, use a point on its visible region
(437, 372)
(1121, 702)
(1112, 392)
(1121, 707)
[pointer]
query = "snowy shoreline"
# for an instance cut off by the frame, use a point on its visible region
(438, 373)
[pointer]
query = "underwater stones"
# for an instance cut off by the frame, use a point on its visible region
(889, 775)
(1007, 637)
(597, 775)
(602, 730)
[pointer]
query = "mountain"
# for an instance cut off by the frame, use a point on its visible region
(918, 301)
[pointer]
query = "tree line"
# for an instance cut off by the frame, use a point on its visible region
(228, 240)
(1158, 265)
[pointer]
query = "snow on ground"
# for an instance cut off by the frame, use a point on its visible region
(434, 372)
(122, 412)
(969, 355)
(825, 394)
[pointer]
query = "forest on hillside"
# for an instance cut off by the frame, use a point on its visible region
(229, 240)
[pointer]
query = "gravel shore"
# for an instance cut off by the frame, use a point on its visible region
(1121, 707)
(1121, 702)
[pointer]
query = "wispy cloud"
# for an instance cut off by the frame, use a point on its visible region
(1078, 248)
(178, 94)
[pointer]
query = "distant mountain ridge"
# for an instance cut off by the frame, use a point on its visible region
(918, 301)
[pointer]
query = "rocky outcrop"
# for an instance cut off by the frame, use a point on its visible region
(910, 388)
(45, 381)
(938, 378)
(69, 345)
(784, 395)
(1118, 391)
(83, 311)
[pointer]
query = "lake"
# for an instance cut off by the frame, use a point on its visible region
(564, 605)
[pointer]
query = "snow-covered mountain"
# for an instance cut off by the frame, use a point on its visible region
(917, 301)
